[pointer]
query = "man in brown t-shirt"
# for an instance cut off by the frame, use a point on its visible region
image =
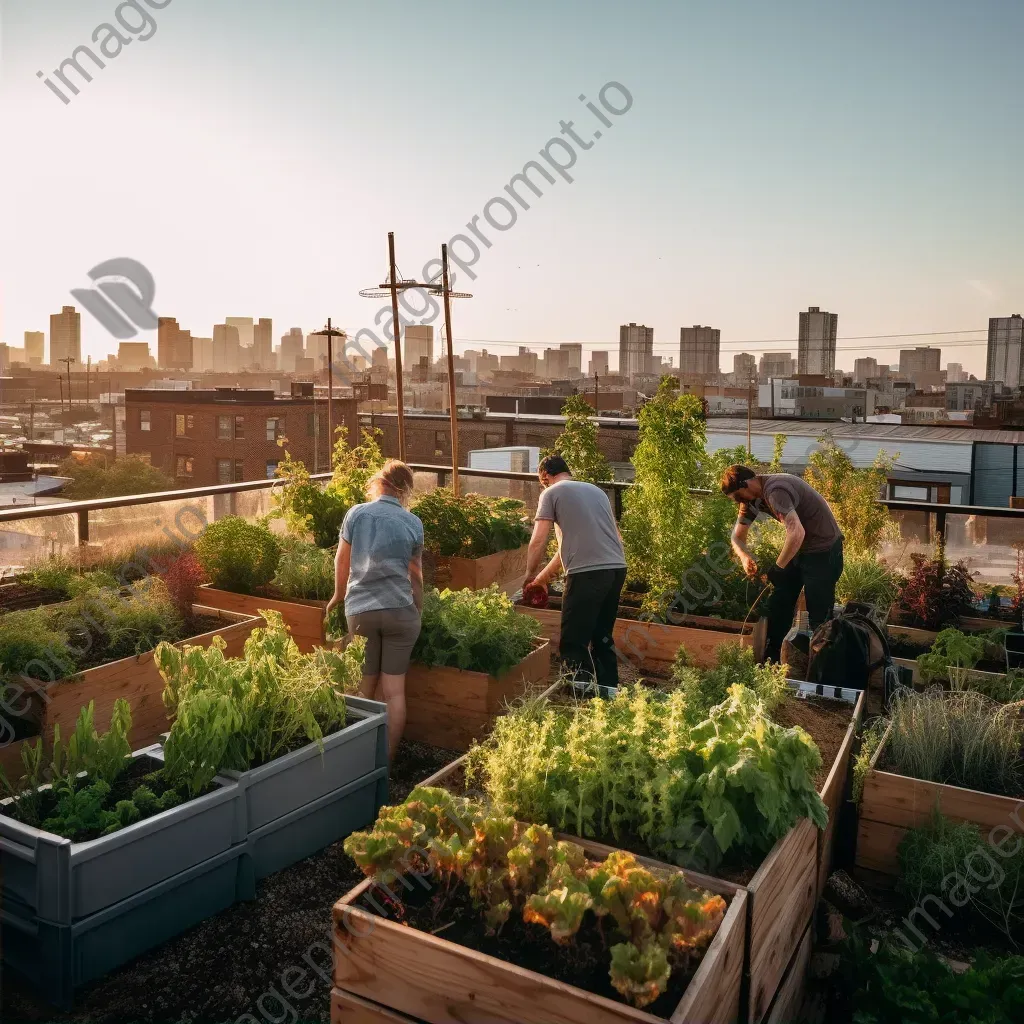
(811, 558)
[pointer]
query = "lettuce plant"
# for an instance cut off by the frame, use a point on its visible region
(659, 920)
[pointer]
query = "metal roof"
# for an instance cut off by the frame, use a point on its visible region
(866, 431)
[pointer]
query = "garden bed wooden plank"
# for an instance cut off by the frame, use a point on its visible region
(783, 894)
(137, 680)
(444, 983)
(304, 619)
(651, 645)
(834, 793)
(790, 997)
(505, 568)
(349, 1009)
(451, 707)
(893, 803)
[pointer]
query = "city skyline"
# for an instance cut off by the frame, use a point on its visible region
(699, 205)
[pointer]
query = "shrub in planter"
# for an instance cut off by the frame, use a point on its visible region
(239, 713)
(61, 578)
(478, 630)
(655, 922)
(183, 577)
(730, 785)
(238, 555)
(310, 509)
(936, 594)
(304, 571)
(703, 689)
(577, 443)
(471, 525)
(867, 580)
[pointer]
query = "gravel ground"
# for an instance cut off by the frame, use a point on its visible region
(231, 965)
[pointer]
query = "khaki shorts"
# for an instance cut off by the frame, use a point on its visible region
(391, 634)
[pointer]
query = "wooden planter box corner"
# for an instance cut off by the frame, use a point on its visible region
(443, 983)
(891, 804)
(304, 619)
(451, 707)
(505, 568)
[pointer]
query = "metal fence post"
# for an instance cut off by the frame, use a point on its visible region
(83, 526)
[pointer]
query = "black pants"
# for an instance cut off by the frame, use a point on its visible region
(816, 574)
(589, 606)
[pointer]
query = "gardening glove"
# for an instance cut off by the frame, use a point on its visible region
(775, 574)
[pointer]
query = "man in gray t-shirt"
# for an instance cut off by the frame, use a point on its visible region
(811, 558)
(590, 552)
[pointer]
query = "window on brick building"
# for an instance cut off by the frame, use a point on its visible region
(183, 425)
(239, 471)
(271, 469)
(273, 428)
(144, 419)
(311, 424)
(224, 428)
(441, 440)
(183, 467)
(225, 471)
(494, 440)
(239, 428)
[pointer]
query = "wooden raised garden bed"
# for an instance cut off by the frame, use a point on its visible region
(385, 971)
(135, 679)
(304, 619)
(653, 645)
(891, 804)
(505, 568)
(451, 707)
(783, 892)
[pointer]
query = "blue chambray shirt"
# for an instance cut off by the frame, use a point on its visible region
(384, 538)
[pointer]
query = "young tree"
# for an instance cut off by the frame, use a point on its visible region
(96, 479)
(577, 443)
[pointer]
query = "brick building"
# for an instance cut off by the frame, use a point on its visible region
(225, 435)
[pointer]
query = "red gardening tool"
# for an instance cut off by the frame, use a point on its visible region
(535, 595)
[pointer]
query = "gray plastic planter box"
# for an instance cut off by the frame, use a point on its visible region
(60, 882)
(57, 958)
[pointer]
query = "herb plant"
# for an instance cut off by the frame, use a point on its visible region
(705, 688)
(310, 509)
(658, 923)
(959, 737)
(238, 713)
(304, 571)
(471, 525)
(936, 593)
(60, 577)
(957, 864)
(635, 769)
(478, 630)
(867, 580)
(238, 555)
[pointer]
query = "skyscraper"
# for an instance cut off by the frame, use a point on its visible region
(1005, 338)
(419, 344)
(744, 367)
(575, 350)
(293, 346)
(598, 364)
(816, 348)
(776, 364)
(244, 326)
(173, 345)
(35, 345)
(227, 352)
(955, 373)
(263, 344)
(636, 349)
(202, 355)
(864, 369)
(699, 350)
(920, 360)
(65, 336)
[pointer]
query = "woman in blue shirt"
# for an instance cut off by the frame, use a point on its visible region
(378, 573)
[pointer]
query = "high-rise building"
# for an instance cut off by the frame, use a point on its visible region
(955, 373)
(699, 350)
(419, 344)
(380, 356)
(920, 360)
(316, 350)
(744, 367)
(636, 349)
(556, 364)
(293, 346)
(173, 345)
(575, 357)
(227, 352)
(598, 364)
(263, 344)
(1005, 339)
(776, 364)
(202, 355)
(35, 345)
(816, 347)
(864, 369)
(134, 355)
(245, 328)
(65, 336)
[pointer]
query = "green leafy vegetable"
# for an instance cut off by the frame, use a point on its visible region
(471, 525)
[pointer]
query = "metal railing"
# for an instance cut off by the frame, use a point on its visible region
(81, 509)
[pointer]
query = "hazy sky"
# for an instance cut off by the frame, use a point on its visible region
(867, 158)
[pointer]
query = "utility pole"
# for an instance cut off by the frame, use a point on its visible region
(396, 330)
(750, 410)
(331, 334)
(68, 360)
(597, 406)
(453, 412)
(88, 367)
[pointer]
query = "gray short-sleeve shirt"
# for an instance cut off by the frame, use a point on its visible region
(384, 538)
(588, 536)
(782, 493)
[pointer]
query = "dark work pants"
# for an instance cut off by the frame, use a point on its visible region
(816, 574)
(589, 607)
